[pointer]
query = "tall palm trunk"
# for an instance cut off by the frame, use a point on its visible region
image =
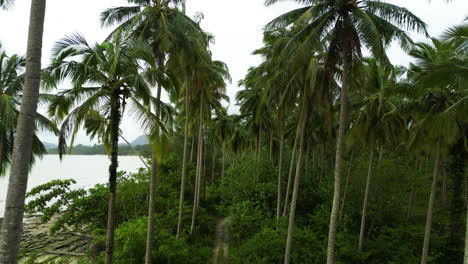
(2, 153)
(192, 148)
(348, 177)
(444, 184)
(271, 146)
(10, 235)
(280, 168)
(366, 196)
(466, 239)
(152, 189)
(339, 159)
(213, 164)
(151, 209)
(430, 207)
(259, 142)
(184, 167)
(114, 126)
(196, 198)
(224, 157)
(412, 194)
(291, 167)
(292, 213)
(322, 162)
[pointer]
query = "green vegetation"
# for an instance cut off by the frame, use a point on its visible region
(335, 156)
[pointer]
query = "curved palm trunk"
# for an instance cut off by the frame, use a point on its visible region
(10, 235)
(292, 214)
(280, 168)
(291, 167)
(114, 125)
(184, 168)
(196, 199)
(366, 196)
(338, 163)
(152, 191)
(345, 192)
(430, 207)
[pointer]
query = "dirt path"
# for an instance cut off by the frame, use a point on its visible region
(221, 243)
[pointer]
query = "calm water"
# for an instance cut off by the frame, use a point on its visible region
(86, 170)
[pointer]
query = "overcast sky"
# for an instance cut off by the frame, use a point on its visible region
(237, 27)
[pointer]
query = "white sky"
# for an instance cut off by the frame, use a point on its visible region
(236, 25)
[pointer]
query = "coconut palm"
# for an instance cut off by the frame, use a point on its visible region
(105, 78)
(209, 86)
(10, 233)
(377, 119)
(11, 89)
(433, 118)
(223, 127)
(347, 27)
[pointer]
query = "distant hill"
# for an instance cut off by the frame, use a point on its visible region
(48, 145)
(141, 140)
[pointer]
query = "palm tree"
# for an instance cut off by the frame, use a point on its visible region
(378, 119)
(208, 87)
(21, 157)
(434, 118)
(223, 127)
(11, 88)
(105, 77)
(347, 26)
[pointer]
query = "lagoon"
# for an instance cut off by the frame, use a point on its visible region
(86, 170)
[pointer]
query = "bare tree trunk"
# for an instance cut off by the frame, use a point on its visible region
(292, 213)
(196, 199)
(427, 233)
(224, 157)
(345, 192)
(291, 167)
(338, 162)
(280, 168)
(114, 125)
(366, 196)
(10, 235)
